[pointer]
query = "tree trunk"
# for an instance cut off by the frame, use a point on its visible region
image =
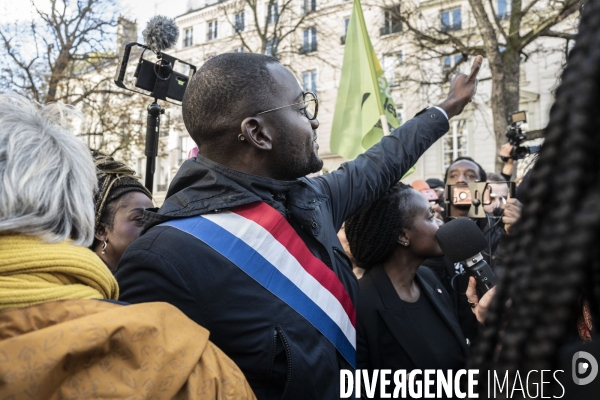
(505, 94)
(57, 74)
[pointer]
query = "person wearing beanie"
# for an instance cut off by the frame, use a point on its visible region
(118, 205)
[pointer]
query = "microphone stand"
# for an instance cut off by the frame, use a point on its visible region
(152, 134)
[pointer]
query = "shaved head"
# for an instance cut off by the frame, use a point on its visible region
(225, 90)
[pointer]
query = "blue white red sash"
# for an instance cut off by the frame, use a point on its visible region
(257, 239)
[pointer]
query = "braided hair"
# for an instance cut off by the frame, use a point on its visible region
(373, 232)
(114, 180)
(551, 257)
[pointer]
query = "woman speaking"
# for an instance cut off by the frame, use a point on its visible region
(404, 317)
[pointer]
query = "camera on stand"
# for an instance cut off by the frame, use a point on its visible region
(160, 76)
(516, 137)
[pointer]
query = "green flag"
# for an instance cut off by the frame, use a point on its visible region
(364, 99)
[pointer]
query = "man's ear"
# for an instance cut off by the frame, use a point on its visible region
(101, 233)
(257, 133)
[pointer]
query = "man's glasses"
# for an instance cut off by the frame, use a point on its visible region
(311, 106)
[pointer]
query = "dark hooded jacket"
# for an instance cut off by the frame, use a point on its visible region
(281, 353)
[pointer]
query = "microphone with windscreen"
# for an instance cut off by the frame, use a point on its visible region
(462, 241)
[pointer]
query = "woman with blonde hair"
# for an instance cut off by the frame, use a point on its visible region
(62, 332)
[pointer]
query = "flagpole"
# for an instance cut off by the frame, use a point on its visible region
(384, 125)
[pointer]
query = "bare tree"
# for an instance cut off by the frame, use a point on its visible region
(66, 52)
(45, 51)
(503, 32)
(277, 27)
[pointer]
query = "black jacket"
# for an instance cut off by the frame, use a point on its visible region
(281, 354)
(380, 312)
(386, 336)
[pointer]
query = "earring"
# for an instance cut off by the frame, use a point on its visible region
(104, 247)
(405, 243)
(241, 137)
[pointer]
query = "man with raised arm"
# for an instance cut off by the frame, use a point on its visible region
(246, 246)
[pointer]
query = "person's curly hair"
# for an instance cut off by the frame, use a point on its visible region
(373, 232)
(552, 258)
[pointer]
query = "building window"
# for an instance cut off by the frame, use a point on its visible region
(141, 168)
(310, 6)
(165, 124)
(455, 143)
(309, 81)
(161, 176)
(310, 41)
(392, 67)
(451, 20)
(162, 179)
(274, 14)
(504, 8)
(213, 30)
(239, 22)
(188, 37)
(450, 62)
(239, 49)
(391, 21)
(185, 145)
(271, 49)
(400, 115)
(346, 23)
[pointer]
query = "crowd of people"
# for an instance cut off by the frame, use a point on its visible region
(243, 284)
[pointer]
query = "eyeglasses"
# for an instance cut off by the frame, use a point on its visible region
(311, 106)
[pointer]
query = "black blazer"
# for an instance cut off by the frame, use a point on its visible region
(386, 336)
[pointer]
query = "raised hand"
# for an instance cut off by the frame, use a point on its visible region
(462, 89)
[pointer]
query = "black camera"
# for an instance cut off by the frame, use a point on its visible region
(516, 137)
(164, 78)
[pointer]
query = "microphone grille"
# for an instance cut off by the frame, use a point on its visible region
(161, 33)
(460, 239)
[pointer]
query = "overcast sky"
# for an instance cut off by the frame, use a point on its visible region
(139, 10)
(143, 10)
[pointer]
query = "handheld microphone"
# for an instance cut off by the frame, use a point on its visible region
(462, 241)
(161, 33)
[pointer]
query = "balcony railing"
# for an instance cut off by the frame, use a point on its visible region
(452, 27)
(308, 48)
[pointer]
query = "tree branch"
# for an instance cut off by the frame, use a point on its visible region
(561, 35)
(571, 6)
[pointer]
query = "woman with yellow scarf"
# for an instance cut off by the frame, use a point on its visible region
(62, 332)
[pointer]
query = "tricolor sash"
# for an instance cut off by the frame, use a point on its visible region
(262, 243)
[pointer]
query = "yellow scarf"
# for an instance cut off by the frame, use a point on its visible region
(33, 272)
